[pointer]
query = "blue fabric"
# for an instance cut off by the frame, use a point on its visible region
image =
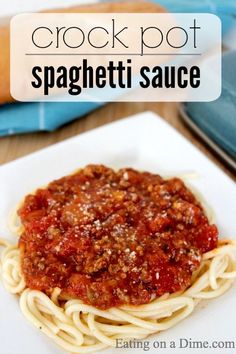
(218, 118)
(29, 117)
(225, 9)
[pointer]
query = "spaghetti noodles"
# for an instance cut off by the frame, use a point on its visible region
(83, 326)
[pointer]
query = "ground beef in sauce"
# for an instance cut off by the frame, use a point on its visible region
(113, 238)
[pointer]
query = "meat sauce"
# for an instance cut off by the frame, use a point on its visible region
(113, 238)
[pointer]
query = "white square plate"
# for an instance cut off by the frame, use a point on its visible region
(144, 142)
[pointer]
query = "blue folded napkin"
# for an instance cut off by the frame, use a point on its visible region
(29, 117)
(225, 9)
(217, 119)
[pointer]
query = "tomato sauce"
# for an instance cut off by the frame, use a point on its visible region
(113, 238)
